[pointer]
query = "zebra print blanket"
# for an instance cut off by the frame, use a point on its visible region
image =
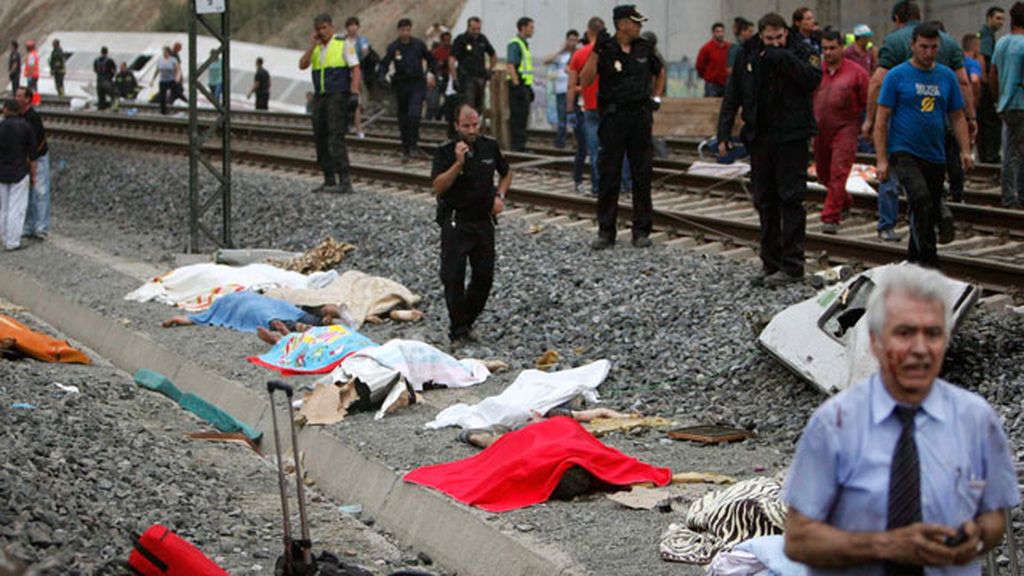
(723, 519)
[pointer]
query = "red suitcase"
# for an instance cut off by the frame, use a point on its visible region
(161, 552)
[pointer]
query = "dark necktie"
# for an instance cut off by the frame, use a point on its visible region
(904, 486)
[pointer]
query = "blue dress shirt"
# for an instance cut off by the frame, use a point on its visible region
(840, 474)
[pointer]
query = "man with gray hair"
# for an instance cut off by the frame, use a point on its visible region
(904, 470)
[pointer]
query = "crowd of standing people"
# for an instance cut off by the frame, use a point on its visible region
(920, 99)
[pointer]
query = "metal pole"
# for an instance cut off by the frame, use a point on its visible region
(225, 26)
(198, 135)
(193, 136)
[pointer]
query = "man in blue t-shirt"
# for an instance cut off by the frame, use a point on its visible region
(916, 99)
(1005, 85)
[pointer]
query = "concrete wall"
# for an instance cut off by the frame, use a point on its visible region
(684, 25)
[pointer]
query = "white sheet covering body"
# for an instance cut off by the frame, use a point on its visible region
(532, 390)
(194, 287)
(363, 294)
(385, 370)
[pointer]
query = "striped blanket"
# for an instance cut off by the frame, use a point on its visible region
(723, 519)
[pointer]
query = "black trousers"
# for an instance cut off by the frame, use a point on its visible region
(409, 94)
(165, 95)
(472, 90)
(624, 133)
(462, 243)
(954, 169)
(58, 80)
(518, 114)
(106, 93)
(778, 173)
(263, 100)
(15, 82)
(330, 121)
(922, 181)
(990, 127)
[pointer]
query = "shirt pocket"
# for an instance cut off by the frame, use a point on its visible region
(969, 490)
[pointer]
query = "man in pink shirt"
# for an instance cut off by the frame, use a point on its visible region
(839, 104)
(713, 62)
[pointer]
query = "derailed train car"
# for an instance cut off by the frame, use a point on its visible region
(825, 339)
(141, 50)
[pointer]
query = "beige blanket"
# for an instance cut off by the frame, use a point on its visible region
(364, 295)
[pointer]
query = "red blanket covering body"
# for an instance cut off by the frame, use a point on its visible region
(523, 467)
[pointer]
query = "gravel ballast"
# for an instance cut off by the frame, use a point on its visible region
(84, 472)
(680, 329)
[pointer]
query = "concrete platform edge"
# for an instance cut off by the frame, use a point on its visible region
(427, 520)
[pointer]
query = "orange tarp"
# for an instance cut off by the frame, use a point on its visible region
(39, 346)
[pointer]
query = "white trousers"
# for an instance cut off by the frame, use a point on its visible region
(13, 204)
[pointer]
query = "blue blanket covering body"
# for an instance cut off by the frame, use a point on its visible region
(246, 311)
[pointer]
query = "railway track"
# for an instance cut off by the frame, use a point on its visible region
(704, 214)
(682, 150)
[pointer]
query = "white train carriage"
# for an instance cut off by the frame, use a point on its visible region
(140, 51)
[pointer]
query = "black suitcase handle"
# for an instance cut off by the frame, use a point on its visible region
(277, 385)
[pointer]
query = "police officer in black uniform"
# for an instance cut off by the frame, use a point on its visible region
(632, 80)
(467, 63)
(409, 55)
(468, 201)
(773, 81)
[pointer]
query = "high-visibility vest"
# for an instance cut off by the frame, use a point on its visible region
(525, 68)
(850, 39)
(333, 74)
(32, 64)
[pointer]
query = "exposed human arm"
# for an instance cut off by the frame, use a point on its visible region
(968, 95)
(453, 65)
(821, 545)
(882, 142)
(659, 83)
(512, 63)
(874, 88)
(445, 180)
(975, 87)
(963, 138)
(571, 90)
(32, 171)
(589, 72)
(499, 198)
(307, 57)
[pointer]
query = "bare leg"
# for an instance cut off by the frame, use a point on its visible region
(268, 336)
(177, 321)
